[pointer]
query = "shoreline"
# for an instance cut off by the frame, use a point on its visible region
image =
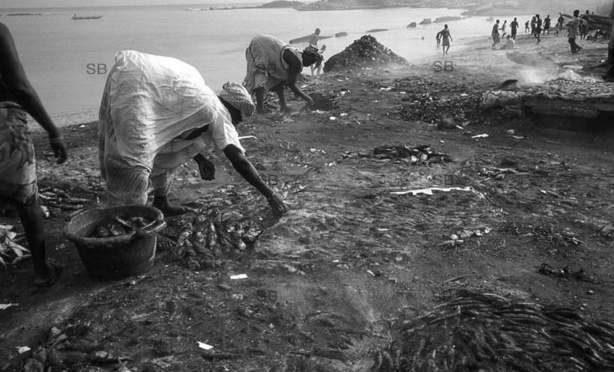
(464, 51)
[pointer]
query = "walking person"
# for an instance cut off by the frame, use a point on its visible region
(538, 27)
(496, 38)
(18, 181)
(514, 28)
(572, 32)
(446, 37)
(547, 22)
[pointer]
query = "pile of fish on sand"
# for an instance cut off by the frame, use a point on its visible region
(206, 237)
(475, 331)
(364, 52)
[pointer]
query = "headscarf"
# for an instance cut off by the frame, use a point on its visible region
(237, 96)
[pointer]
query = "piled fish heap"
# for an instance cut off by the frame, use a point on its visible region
(486, 332)
(206, 237)
(364, 52)
(119, 226)
(422, 154)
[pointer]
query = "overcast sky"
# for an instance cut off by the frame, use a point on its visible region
(82, 3)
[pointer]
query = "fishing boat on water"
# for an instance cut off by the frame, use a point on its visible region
(75, 17)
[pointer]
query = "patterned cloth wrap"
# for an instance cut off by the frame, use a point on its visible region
(17, 155)
(150, 104)
(266, 67)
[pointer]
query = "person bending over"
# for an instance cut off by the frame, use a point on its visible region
(272, 65)
(156, 114)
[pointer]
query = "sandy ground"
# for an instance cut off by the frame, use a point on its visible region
(326, 284)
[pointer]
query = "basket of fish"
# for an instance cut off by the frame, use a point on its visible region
(116, 242)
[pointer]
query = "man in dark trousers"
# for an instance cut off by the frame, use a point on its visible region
(514, 27)
(18, 182)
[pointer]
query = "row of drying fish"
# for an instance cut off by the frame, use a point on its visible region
(498, 334)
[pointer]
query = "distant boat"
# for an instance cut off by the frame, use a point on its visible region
(88, 17)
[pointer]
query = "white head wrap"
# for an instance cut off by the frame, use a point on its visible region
(238, 97)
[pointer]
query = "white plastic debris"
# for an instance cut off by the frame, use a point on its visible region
(202, 345)
(238, 276)
(22, 349)
(484, 135)
(429, 191)
(6, 306)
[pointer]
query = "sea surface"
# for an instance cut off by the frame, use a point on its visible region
(67, 60)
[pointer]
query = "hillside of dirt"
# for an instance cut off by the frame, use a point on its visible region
(425, 231)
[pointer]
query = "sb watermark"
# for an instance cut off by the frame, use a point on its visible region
(96, 68)
(443, 66)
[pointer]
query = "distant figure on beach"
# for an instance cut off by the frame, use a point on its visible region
(572, 32)
(514, 27)
(272, 65)
(317, 67)
(533, 25)
(526, 27)
(503, 32)
(313, 40)
(510, 43)
(445, 37)
(496, 39)
(156, 114)
(18, 181)
(538, 28)
(547, 21)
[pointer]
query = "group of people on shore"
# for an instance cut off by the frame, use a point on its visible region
(538, 27)
(156, 114)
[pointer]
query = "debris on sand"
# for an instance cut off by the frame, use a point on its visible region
(485, 331)
(364, 52)
(422, 154)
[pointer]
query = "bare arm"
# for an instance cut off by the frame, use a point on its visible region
(295, 68)
(19, 86)
(245, 168)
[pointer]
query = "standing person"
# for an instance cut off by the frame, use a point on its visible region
(533, 25)
(317, 67)
(18, 182)
(526, 27)
(503, 32)
(538, 27)
(272, 65)
(156, 114)
(514, 27)
(445, 39)
(573, 30)
(496, 39)
(547, 24)
(313, 40)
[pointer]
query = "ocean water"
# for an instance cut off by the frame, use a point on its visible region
(67, 60)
